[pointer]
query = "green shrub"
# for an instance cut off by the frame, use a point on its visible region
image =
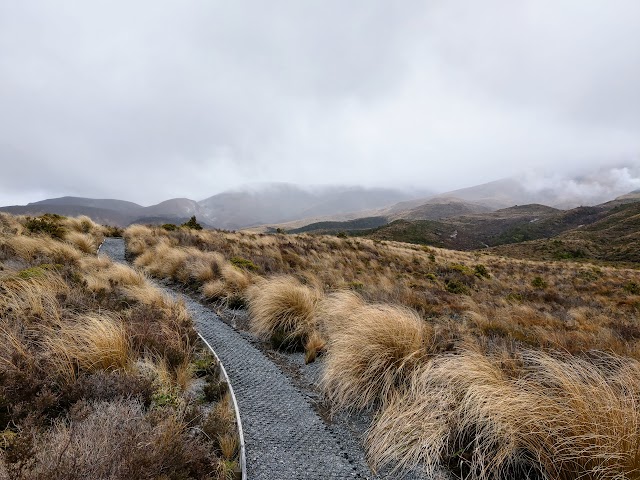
(35, 272)
(481, 271)
(456, 267)
(170, 227)
(244, 263)
(455, 286)
(192, 224)
(632, 287)
(515, 297)
(48, 224)
(538, 283)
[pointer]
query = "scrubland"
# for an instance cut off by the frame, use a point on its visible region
(492, 367)
(101, 374)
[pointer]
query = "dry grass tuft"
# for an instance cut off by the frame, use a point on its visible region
(84, 242)
(376, 348)
(282, 311)
(91, 342)
(314, 346)
(549, 417)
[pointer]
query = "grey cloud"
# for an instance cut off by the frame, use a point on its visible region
(152, 99)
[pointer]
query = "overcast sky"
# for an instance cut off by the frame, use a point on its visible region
(148, 100)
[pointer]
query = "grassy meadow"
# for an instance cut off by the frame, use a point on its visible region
(493, 367)
(101, 374)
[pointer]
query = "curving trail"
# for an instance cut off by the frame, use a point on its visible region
(284, 436)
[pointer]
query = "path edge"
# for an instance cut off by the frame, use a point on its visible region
(223, 371)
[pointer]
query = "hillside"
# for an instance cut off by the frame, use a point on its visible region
(613, 237)
(337, 227)
(439, 208)
(103, 204)
(604, 232)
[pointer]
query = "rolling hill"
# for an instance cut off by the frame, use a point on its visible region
(228, 210)
(613, 237)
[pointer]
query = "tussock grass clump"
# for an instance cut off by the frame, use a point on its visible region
(535, 415)
(89, 343)
(40, 250)
(376, 348)
(282, 311)
(34, 298)
(84, 242)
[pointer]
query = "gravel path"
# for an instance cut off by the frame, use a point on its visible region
(285, 438)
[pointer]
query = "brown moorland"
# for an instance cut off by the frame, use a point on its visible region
(496, 367)
(98, 368)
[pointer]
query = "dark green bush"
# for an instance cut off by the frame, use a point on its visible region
(455, 286)
(632, 287)
(539, 283)
(244, 263)
(192, 224)
(481, 271)
(48, 224)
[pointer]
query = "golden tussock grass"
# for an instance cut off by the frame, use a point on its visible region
(376, 348)
(84, 242)
(33, 248)
(228, 445)
(282, 310)
(214, 289)
(33, 296)
(88, 343)
(314, 346)
(539, 416)
(13, 348)
(101, 274)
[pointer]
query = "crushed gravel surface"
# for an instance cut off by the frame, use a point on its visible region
(288, 434)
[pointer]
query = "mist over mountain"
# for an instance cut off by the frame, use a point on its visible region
(277, 203)
(293, 206)
(239, 208)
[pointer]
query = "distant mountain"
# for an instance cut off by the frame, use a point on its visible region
(482, 198)
(110, 211)
(98, 215)
(494, 195)
(230, 210)
(439, 208)
(176, 207)
(609, 231)
(280, 203)
(292, 207)
(103, 204)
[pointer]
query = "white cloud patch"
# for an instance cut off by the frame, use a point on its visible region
(152, 99)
